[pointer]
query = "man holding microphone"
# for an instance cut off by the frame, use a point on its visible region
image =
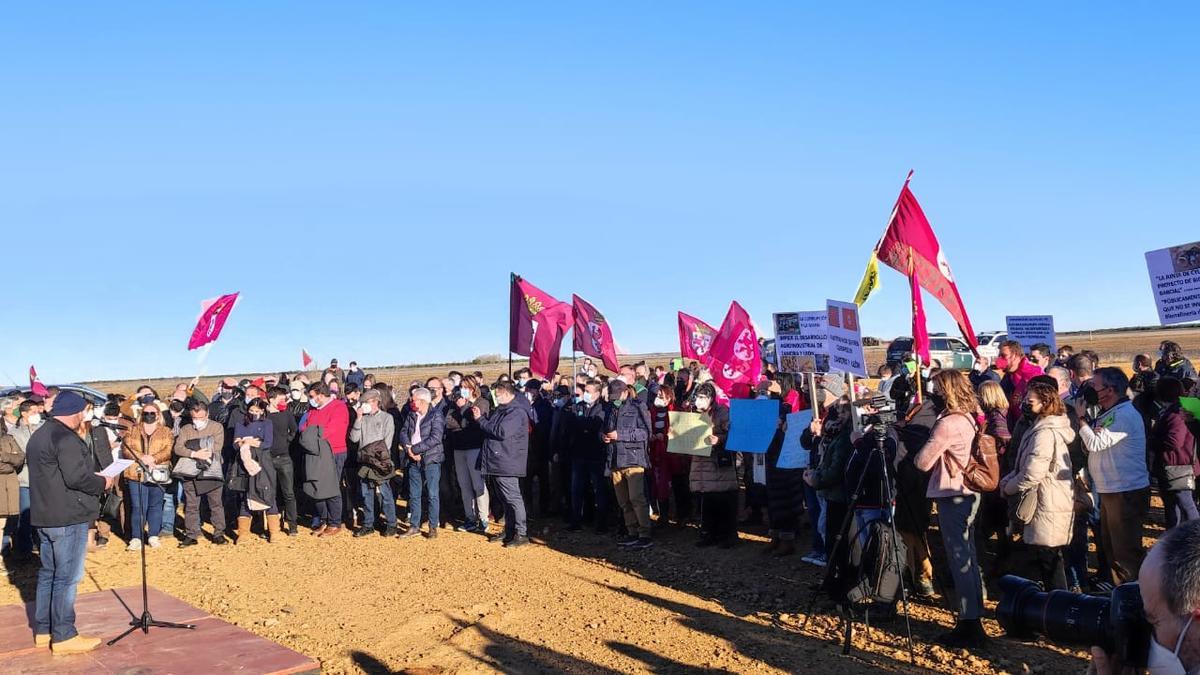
(64, 498)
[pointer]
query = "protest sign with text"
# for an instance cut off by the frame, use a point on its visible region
(1175, 281)
(1032, 330)
(845, 338)
(802, 342)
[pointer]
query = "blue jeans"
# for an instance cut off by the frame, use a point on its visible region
(1076, 557)
(63, 551)
(584, 473)
(956, 520)
(172, 495)
(147, 503)
(430, 475)
(816, 516)
(367, 490)
(1179, 506)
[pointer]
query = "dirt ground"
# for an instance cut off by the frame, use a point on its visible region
(572, 603)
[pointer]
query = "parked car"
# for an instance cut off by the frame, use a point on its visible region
(989, 343)
(944, 351)
(94, 396)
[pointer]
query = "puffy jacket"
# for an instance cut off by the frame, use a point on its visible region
(631, 421)
(506, 441)
(718, 471)
(1171, 441)
(431, 448)
(1044, 464)
(1116, 445)
(63, 486)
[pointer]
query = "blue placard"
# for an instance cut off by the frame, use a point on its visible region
(752, 424)
(793, 456)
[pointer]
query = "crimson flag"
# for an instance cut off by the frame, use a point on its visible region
(305, 360)
(909, 243)
(35, 386)
(593, 334)
(212, 320)
(537, 323)
(920, 332)
(736, 357)
(695, 337)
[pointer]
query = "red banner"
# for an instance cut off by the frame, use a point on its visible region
(537, 324)
(212, 320)
(920, 332)
(695, 337)
(593, 334)
(306, 361)
(35, 386)
(735, 357)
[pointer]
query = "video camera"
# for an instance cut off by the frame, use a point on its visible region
(884, 412)
(1116, 623)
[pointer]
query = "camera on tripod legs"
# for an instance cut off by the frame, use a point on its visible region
(883, 415)
(1116, 623)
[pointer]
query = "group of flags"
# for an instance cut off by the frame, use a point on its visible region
(909, 246)
(731, 353)
(538, 322)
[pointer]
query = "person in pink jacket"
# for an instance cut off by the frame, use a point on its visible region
(1018, 371)
(945, 455)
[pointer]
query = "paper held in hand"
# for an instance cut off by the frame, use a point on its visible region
(689, 434)
(116, 468)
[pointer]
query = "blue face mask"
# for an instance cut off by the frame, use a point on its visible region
(521, 383)
(587, 398)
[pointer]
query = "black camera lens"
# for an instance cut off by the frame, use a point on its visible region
(1116, 624)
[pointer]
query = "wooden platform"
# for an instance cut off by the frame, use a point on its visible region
(213, 647)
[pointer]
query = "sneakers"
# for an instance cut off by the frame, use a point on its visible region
(363, 532)
(76, 645)
(517, 541)
(134, 544)
(642, 543)
(187, 541)
(153, 542)
(817, 559)
(627, 540)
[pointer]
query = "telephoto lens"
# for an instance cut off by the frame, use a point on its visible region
(1115, 623)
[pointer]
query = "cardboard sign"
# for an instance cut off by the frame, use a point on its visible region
(1175, 281)
(793, 456)
(802, 342)
(689, 434)
(752, 424)
(845, 338)
(1031, 330)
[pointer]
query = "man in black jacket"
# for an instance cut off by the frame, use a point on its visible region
(284, 432)
(64, 495)
(588, 454)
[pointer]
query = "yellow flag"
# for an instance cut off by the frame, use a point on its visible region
(870, 281)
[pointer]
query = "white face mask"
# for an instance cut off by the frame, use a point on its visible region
(660, 402)
(35, 419)
(702, 403)
(1163, 661)
(297, 394)
(200, 424)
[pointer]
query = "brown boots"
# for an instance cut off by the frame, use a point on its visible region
(243, 531)
(273, 528)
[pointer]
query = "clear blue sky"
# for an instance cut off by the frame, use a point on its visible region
(368, 175)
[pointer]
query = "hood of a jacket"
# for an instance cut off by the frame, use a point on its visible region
(1059, 423)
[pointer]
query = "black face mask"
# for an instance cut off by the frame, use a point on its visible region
(1027, 409)
(149, 417)
(146, 399)
(1090, 395)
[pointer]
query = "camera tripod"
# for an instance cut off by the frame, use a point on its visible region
(879, 454)
(146, 620)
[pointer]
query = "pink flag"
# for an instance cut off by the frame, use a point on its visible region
(736, 357)
(695, 337)
(537, 324)
(212, 320)
(919, 331)
(35, 386)
(305, 360)
(593, 335)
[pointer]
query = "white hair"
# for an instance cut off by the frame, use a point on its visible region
(423, 393)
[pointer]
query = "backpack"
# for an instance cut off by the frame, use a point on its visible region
(982, 472)
(879, 572)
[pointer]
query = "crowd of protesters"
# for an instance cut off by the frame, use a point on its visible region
(1079, 447)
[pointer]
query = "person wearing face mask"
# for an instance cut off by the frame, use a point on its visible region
(149, 443)
(1170, 590)
(21, 531)
(945, 454)
(1018, 371)
(521, 378)
(198, 468)
(423, 440)
(992, 517)
(504, 458)
(373, 432)
(1041, 355)
(1172, 363)
(12, 461)
(65, 494)
(587, 455)
(283, 430)
(561, 420)
(1116, 444)
(542, 413)
(665, 467)
(828, 438)
(218, 407)
(913, 507)
(1172, 445)
(297, 405)
(714, 477)
(331, 415)
(251, 474)
(626, 433)
(355, 375)
(982, 371)
(465, 438)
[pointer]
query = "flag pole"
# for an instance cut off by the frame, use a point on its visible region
(512, 279)
(913, 308)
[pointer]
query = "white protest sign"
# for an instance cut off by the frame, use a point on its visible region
(802, 342)
(1032, 330)
(845, 338)
(1175, 280)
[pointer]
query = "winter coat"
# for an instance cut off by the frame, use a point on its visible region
(946, 455)
(12, 458)
(586, 442)
(1044, 464)
(631, 421)
(63, 486)
(912, 484)
(830, 473)
(1116, 445)
(1180, 370)
(159, 445)
(1015, 384)
(1171, 442)
(462, 428)
(321, 480)
(718, 471)
(259, 486)
(431, 447)
(506, 441)
(334, 419)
